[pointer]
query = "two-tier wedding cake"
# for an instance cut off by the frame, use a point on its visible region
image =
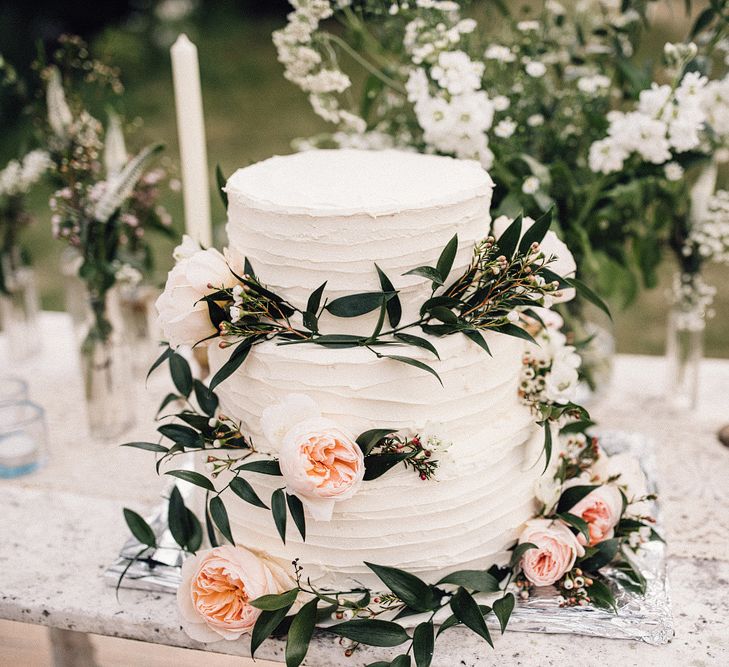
(331, 216)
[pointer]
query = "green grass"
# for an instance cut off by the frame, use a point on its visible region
(251, 113)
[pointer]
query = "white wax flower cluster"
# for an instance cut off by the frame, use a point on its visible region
(20, 175)
(304, 65)
(668, 120)
(710, 236)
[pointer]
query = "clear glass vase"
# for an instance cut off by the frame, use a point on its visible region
(690, 300)
(19, 307)
(137, 308)
(106, 365)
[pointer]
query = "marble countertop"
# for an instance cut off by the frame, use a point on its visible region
(62, 526)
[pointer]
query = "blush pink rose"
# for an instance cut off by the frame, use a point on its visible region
(556, 550)
(217, 587)
(321, 464)
(601, 509)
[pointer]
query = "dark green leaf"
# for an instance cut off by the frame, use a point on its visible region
(299, 634)
(182, 435)
(160, 360)
(248, 268)
(536, 233)
(354, 305)
(418, 341)
(140, 528)
(517, 332)
(372, 632)
(509, 240)
(450, 622)
(206, 399)
(584, 291)
(394, 307)
(547, 443)
(445, 261)
(519, 551)
(244, 490)
(467, 612)
(702, 21)
(266, 624)
(209, 527)
(296, 508)
(474, 580)
(577, 427)
(274, 602)
(377, 465)
(602, 554)
(183, 524)
(503, 607)
(148, 446)
(401, 661)
(413, 362)
(311, 322)
(441, 300)
(423, 644)
(234, 362)
(262, 467)
(576, 522)
(444, 315)
(570, 497)
(340, 340)
(170, 398)
(478, 338)
(426, 272)
(369, 439)
(312, 305)
(193, 477)
(414, 592)
(220, 516)
(601, 596)
(220, 180)
(278, 507)
(181, 373)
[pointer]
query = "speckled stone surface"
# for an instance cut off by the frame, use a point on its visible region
(61, 527)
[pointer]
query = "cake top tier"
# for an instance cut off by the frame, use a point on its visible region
(350, 182)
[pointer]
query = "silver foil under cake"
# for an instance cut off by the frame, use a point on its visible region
(640, 617)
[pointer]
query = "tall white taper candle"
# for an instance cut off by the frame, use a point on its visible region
(191, 134)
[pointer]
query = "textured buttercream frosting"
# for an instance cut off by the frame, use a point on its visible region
(329, 216)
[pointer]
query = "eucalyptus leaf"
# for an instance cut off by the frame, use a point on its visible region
(206, 399)
(312, 305)
(148, 446)
(183, 524)
(278, 508)
(413, 362)
(370, 438)
(263, 467)
(443, 314)
(372, 632)
(234, 362)
(426, 272)
(509, 240)
(354, 305)
(159, 361)
(474, 580)
(182, 435)
(170, 398)
(418, 341)
(140, 528)
(276, 601)
(377, 465)
(503, 607)
(220, 517)
(413, 591)
(477, 337)
(243, 489)
(266, 625)
(466, 610)
(517, 332)
(193, 477)
(296, 509)
(447, 256)
(537, 232)
(300, 633)
(394, 307)
(423, 644)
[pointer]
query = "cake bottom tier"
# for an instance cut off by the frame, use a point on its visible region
(467, 518)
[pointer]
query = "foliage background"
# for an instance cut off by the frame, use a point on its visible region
(251, 113)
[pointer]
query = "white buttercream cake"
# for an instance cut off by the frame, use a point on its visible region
(330, 216)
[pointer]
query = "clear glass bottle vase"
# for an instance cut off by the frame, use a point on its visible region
(106, 367)
(19, 306)
(685, 339)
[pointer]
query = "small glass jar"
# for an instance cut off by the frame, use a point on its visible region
(23, 438)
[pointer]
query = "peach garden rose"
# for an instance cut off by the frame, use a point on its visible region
(216, 589)
(556, 550)
(601, 509)
(321, 464)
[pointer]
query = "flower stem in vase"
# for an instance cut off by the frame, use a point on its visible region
(18, 305)
(106, 368)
